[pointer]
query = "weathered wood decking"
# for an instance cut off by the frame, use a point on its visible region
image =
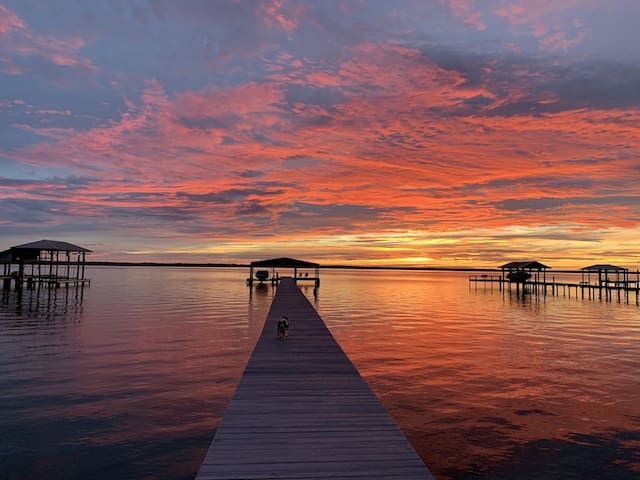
(303, 411)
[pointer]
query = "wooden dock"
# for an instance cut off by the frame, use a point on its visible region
(35, 281)
(303, 411)
(607, 291)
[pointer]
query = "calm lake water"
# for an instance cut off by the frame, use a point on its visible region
(129, 377)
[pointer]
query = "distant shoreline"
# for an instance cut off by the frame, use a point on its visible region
(322, 267)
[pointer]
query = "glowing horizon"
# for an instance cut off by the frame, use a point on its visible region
(446, 133)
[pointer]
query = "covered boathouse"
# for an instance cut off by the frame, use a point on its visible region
(272, 270)
(45, 262)
(520, 272)
(606, 274)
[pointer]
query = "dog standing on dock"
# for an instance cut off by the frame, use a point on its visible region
(283, 328)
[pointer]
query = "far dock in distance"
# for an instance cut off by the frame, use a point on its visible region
(609, 281)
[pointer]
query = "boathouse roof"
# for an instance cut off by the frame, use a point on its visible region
(603, 267)
(528, 265)
(284, 262)
(51, 245)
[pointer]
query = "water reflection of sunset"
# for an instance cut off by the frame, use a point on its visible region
(132, 378)
(483, 382)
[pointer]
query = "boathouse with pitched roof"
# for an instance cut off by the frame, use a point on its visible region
(520, 272)
(49, 262)
(301, 270)
(606, 274)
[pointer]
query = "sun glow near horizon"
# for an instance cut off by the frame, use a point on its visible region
(457, 135)
(410, 249)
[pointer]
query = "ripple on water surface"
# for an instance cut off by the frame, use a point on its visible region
(487, 385)
(129, 378)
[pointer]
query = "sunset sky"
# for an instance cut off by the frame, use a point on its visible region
(423, 132)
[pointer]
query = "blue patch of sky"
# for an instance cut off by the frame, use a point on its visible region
(16, 170)
(128, 43)
(89, 104)
(13, 137)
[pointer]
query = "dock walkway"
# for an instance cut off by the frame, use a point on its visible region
(303, 411)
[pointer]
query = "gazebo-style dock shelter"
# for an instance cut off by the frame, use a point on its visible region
(49, 262)
(520, 272)
(607, 274)
(271, 270)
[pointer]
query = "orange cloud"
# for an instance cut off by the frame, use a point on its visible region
(385, 155)
(467, 11)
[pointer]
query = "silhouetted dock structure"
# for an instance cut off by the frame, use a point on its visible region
(609, 282)
(302, 410)
(272, 271)
(50, 263)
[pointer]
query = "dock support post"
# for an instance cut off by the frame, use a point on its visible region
(20, 275)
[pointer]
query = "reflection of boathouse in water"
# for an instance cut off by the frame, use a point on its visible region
(520, 272)
(46, 262)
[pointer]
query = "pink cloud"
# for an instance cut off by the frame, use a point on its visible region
(18, 41)
(282, 14)
(554, 24)
(394, 152)
(467, 11)
(9, 21)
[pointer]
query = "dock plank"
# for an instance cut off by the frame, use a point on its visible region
(302, 410)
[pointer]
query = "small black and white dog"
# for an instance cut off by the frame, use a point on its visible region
(283, 328)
